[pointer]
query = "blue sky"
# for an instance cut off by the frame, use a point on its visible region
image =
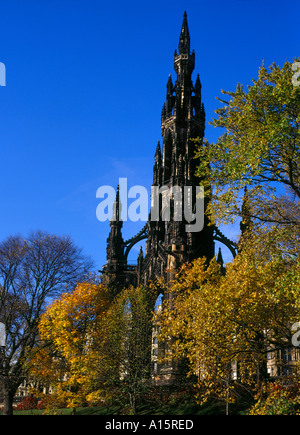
(85, 83)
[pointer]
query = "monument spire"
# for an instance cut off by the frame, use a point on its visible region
(184, 39)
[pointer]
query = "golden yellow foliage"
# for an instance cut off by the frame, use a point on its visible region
(226, 325)
(70, 330)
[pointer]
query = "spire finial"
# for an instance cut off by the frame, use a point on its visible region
(117, 207)
(158, 150)
(184, 40)
(221, 261)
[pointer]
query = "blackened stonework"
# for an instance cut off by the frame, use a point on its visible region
(182, 120)
(168, 244)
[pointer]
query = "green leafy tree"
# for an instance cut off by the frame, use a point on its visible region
(260, 148)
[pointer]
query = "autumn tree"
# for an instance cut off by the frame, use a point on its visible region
(128, 343)
(259, 148)
(32, 272)
(70, 357)
(226, 325)
(93, 348)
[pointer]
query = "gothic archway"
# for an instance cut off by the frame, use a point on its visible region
(220, 237)
(128, 245)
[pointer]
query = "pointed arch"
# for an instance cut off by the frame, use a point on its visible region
(220, 237)
(143, 234)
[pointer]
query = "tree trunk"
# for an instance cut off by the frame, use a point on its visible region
(8, 398)
(132, 400)
(9, 389)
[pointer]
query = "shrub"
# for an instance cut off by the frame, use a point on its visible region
(277, 399)
(27, 403)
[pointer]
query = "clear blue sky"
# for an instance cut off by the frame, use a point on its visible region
(85, 85)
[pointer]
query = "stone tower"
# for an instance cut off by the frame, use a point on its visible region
(116, 264)
(182, 119)
(168, 242)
